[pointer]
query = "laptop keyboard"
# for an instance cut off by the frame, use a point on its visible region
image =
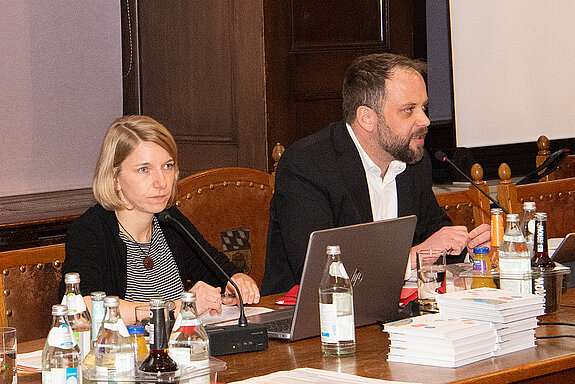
(280, 325)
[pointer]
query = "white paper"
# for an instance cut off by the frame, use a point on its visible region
(230, 314)
(30, 362)
(312, 376)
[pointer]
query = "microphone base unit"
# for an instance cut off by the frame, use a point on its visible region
(230, 339)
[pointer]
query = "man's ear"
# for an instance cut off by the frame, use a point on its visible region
(366, 118)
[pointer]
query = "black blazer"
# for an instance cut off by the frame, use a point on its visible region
(95, 250)
(321, 183)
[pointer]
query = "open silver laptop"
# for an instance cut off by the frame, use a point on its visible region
(378, 251)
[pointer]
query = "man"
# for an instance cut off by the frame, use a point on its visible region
(370, 167)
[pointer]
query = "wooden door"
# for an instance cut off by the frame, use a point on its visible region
(197, 67)
(309, 45)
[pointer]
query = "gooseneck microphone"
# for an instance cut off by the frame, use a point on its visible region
(165, 216)
(229, 339)
(548, 166)
(443, 158)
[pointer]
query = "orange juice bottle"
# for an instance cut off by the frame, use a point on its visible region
(496, 235)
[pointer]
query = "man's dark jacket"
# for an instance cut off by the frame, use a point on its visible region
(321, 183)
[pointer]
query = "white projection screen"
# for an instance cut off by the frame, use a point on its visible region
(61, 87)
(513, 70)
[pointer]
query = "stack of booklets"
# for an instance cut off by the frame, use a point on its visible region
(512, 314)
(440, 341)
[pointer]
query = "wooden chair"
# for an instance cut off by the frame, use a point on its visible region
(30, 279)
(564, 171)
(469, 207)
(229, 206)
(555, 197)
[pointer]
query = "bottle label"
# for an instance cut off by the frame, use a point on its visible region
(531, 226)
(337, 322)
(83, 339)
(180, 322)
(336, 269)
(515, 272)
(496, 230)
(541, 236)
(75, 303)
(124, 362)
(480, 265)
(60, 376)
(181, 356)
(98, 313)
(120, 327)
(61, 337)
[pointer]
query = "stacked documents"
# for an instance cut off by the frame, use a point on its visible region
(513, 315)
(440, 341)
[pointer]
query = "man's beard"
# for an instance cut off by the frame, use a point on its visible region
(397, 146)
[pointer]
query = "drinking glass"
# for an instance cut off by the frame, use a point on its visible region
(7, 355)
(430, 278)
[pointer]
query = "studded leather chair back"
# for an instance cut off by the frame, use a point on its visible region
(231, 207)
(29, 284)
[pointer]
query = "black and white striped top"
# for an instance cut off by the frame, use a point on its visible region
(163, 280)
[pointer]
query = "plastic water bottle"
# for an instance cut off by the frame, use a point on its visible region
(189, 346)
(336, 307)
(78, 315)
(114, 352)
(61, 355)
(514, 259)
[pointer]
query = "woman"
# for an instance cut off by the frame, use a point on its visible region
(120, 247)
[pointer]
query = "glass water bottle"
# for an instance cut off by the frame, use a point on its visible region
(61, 359)
(336, 307)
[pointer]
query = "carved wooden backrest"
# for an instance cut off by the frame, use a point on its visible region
(226, 205)
(30, 279)
(555, 197)
(563, 171)
(469, 207)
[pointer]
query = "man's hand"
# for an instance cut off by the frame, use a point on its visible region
(479, 237)
(452, 239)
(248, 289)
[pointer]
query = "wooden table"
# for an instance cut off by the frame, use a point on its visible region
(551, 360)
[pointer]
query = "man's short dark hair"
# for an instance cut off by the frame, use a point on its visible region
(364, 83)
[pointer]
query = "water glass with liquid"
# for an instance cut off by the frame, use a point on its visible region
(7, 355)
(431, 279)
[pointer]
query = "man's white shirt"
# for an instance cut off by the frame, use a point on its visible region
(382, 192)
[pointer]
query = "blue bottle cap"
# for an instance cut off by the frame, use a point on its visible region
(136, 329)
(480, 250)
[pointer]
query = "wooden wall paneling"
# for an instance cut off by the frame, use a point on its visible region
(130, 57)
(249, 84)
(309, 46)
(201, 75)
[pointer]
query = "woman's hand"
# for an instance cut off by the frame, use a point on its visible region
(208, 298)
(248, 289)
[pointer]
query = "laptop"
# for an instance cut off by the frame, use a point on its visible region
(376, 252)
(565, 252)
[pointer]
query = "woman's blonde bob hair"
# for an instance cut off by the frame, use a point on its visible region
(122, 138)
